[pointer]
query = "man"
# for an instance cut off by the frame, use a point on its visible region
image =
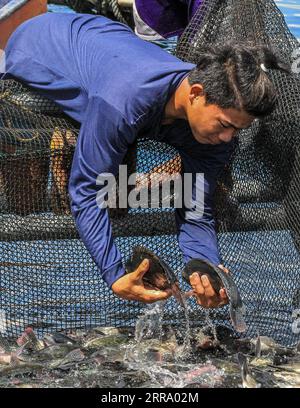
(118, 86)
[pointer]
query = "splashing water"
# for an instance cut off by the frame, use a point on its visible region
(150, 323)
(186, 341)
(164, 360)
(210, 324)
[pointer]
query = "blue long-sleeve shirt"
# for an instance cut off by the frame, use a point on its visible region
(116, 86)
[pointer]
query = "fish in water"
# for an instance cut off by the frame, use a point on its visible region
(219, 279)
(4, 345)
(95, 343)
(248, 380)
(157, 350)
(205, 374)
(159, 275)
(205, 342)
(5, 358)
(29, 339)
(266, 345)
(70, 360)
(13, 358)
(108, 331)
(58, 338)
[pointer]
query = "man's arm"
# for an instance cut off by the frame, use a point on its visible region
(196, 229)
(102, 143)
(100, 149)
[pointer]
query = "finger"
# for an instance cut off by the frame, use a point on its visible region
(142, 269)
(196, 283)
(223, 268)
(209, 291)
(199, 289)
(223, 294)
(151, 296)
(223, 298)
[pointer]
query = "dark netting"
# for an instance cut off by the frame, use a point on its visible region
(257, 202)
(47, 278)
(117, 10)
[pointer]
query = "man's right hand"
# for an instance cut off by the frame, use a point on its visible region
(131, 286)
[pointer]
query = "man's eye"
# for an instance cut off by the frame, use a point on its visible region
(226, 127)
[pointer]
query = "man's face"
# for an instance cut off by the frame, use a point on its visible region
(211, 124)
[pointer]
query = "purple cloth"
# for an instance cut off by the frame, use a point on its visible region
(167, 17)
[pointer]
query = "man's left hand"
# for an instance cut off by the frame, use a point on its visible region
(205, 293)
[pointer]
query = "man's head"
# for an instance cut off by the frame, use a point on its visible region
(228, 89)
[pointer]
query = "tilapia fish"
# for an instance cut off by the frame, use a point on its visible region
(159, 275)
(248, 380)
(219, 279)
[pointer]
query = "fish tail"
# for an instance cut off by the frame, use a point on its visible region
(243, 362)
(258, 347)
(237, 319)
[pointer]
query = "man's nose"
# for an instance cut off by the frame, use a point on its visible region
(227, 135)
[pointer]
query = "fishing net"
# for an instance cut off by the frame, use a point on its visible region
(47, 278)
(257, 202)
(109, 8)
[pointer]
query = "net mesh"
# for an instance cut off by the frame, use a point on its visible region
(47, 278)
(258, 195)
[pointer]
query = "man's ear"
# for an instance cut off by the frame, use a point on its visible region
(196, 92)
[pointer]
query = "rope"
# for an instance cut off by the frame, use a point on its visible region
(116, 9)
(102, 7)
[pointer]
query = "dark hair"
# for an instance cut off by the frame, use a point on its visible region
(232, 77)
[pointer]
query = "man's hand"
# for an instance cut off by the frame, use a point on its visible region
(131, 286)
(204, 292)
